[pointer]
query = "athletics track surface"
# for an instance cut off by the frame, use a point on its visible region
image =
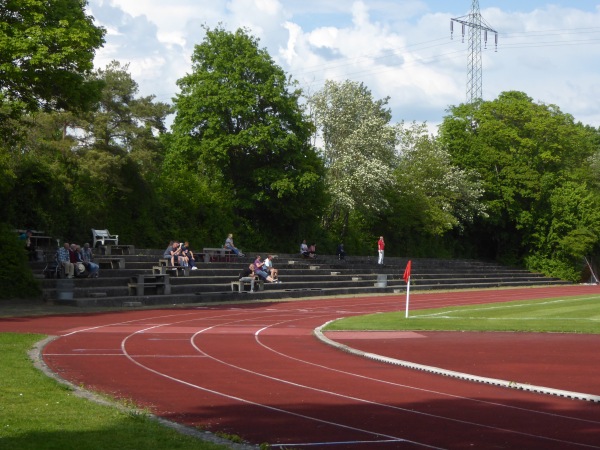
(257, 371)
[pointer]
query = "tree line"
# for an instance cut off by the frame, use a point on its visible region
(248, 152)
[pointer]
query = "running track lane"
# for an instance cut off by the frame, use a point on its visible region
(257, 371)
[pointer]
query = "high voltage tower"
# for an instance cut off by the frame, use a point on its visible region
(476, 25)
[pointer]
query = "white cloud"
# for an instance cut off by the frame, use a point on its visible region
(397, 49)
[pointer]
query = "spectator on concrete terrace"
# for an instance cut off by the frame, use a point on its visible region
(258, 270)
(64, 258)
(248, 276)
(231, 246)
(268, 266)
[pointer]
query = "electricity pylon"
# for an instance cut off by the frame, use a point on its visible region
(476, 26)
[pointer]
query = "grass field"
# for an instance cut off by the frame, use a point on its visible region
(565, 315)
(36, 412)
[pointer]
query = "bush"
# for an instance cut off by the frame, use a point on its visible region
(563, 268)
(16, 276)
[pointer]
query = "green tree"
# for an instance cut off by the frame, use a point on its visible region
(100, 166)
(46, 48)
(431, 196)
(119, 155)
(46, 52)
(573, 232)
(525, 152)
(16, 278)
(240, 132)
(121, 125)
(357, 147)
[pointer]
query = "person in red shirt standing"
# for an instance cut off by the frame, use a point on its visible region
(380, 248)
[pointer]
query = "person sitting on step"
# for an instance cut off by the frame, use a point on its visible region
(230, 245)
(258, 270)
(87, 257)
(248, 276)
(187, 252)
(304, 249)
(268, 267)
(64, 258)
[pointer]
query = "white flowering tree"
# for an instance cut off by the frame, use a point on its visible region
(357, 144)
(433, 195)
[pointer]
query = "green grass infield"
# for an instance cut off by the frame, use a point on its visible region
(559, 315)
(37, 412)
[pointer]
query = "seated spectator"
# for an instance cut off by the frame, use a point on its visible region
(75, 258)
(167, 252)
(341, 253)
(182, 259)
(173, 253)
(312, 251)
(304, 249)
(87, 256)
(189, 254)
(230, 245)
(259, 271)
(248, 275)
(64, 259)
(29, 247)
(268, 266)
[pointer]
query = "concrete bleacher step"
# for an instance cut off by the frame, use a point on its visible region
(322, 276)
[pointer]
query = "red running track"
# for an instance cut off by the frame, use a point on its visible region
(257, 371)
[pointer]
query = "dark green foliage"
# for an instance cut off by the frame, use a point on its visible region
(534, 161)
(16, 277)
(241, 135)
(46, 48)
(80, 150)
(104, 177)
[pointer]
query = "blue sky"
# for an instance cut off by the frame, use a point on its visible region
(398, 48)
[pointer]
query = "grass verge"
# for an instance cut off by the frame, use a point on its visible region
(38, 412)
(561, 315)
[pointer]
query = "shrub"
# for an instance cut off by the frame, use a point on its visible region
(16, 276)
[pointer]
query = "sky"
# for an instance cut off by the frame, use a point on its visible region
(401, 49)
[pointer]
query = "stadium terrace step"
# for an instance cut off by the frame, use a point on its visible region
(322, 276)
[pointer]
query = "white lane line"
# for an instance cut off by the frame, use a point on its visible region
(250, 402)
(453, 374)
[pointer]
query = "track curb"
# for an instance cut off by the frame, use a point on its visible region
(318, 332)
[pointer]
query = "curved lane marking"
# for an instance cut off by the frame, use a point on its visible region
(453, 374)
(361, 400)
(246, 401)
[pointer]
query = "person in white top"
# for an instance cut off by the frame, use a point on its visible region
(268, 265)
(304, 249)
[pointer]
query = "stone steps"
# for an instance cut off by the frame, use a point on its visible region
(323, 276)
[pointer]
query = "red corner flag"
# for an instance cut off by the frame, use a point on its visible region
(407, 271)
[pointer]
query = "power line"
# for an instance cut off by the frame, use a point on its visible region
(518, 45)
(439, 42)
(551, 32)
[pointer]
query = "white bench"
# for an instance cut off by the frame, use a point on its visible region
(104, 236)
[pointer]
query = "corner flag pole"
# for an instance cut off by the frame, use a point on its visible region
(407, 280)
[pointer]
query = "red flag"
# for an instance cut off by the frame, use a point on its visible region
(407, 271)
